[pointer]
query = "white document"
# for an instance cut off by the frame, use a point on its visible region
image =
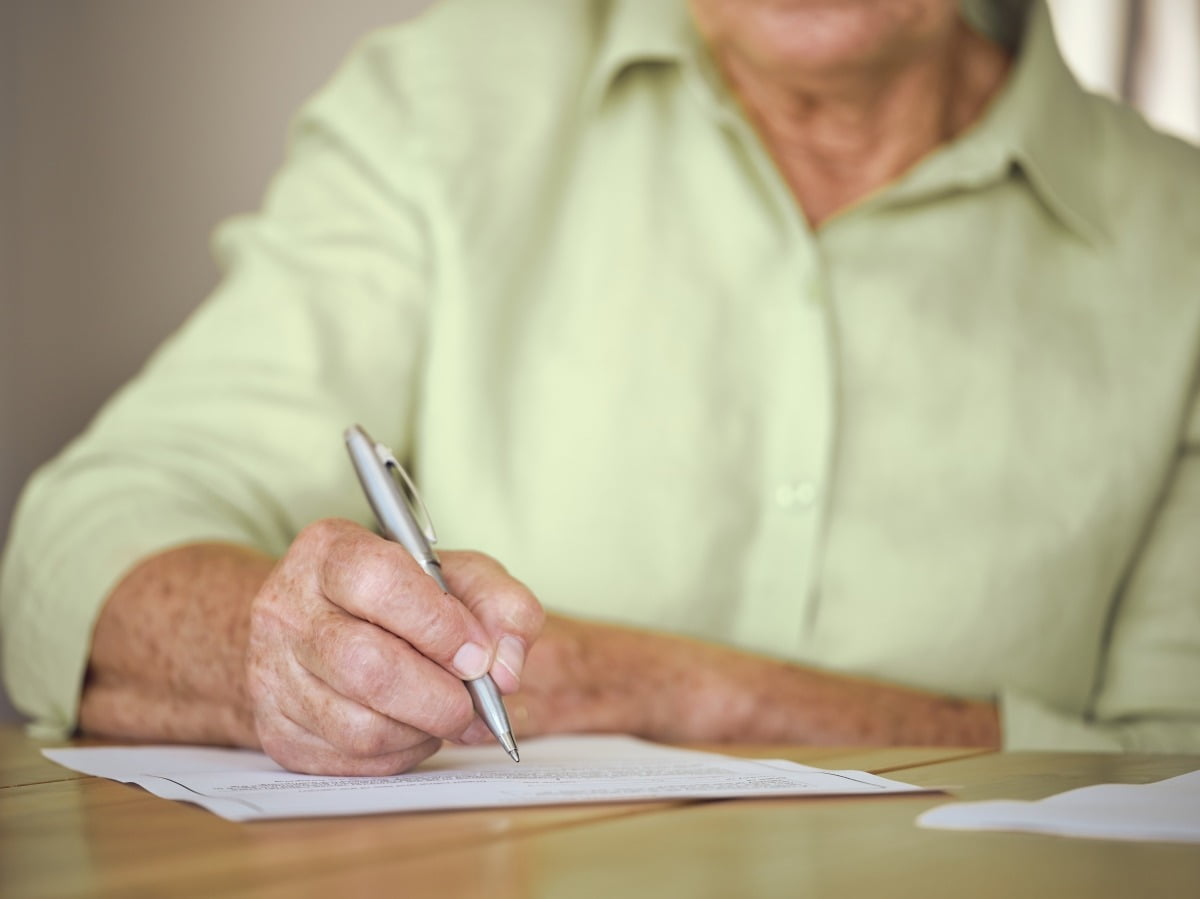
(1168, 810)
(241, 786)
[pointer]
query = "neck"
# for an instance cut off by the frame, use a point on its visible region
(839, 136)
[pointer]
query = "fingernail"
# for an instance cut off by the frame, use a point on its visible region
(471, 661)
(511, 654)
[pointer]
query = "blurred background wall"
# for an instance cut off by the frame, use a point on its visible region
(1144, 51)
(129, 128)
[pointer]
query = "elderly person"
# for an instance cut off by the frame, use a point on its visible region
(825, 367)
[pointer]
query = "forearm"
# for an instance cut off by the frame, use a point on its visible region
(679, 690)
(773, 701)
(168, 650)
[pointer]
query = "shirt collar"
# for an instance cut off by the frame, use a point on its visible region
(1043, 125)
(1056, 137)
(638, 32)
(1042, 122)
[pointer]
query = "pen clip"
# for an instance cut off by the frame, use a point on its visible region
(407, 490)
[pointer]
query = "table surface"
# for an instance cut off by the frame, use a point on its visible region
(64, 833)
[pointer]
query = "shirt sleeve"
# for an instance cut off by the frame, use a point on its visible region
(233, 430)
(1148, 694)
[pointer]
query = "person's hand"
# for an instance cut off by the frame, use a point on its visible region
(595, 677)
(355, 657)
(586, 676)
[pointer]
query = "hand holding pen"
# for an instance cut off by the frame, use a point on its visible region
(356, 657)
(395, 501)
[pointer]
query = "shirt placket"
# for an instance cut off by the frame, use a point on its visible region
(799, 420)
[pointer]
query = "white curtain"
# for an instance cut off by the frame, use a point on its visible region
(1146, 52)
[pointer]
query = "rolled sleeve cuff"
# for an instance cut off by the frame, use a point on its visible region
(54, 604)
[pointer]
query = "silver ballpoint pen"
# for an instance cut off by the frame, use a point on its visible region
(382, 478)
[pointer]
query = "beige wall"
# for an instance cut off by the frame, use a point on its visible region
(128, 128)
(8, 300)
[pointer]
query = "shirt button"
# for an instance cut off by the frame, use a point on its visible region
(797, 495)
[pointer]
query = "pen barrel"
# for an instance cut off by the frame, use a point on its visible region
(376, 466)
(391, 507)
(433, 568)
(490, 707)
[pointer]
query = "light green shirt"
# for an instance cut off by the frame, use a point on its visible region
(946, 441)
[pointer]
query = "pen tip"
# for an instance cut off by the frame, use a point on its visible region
(510, 745)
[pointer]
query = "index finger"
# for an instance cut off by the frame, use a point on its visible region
(507, 609)
(378, 581)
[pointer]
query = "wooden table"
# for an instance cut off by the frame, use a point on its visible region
(63, 833)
